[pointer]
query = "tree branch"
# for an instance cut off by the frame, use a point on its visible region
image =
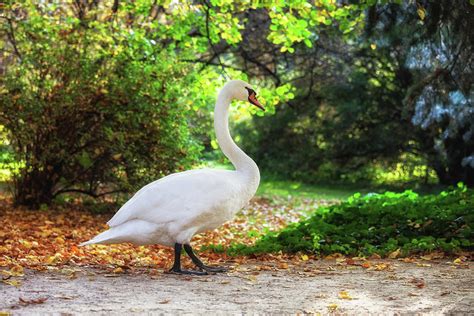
(115, 6)
(209, 62)
(12, 38)
(261, 65)
(208, 35)
(86, 192)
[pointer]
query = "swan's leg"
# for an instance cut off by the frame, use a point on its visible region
(200, 264)
(177, 262)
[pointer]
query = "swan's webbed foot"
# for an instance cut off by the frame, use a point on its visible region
(186, 272)
(213, 269)
(176, 269)
(200, 264)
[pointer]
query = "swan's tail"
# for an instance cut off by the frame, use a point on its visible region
(135, 231)
(107, 237)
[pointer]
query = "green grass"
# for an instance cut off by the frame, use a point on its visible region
(286, 188)
(289, 188)
(274, 187)
(342, 191)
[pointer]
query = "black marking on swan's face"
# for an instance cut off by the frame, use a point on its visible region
(251, 91)
(252, 98)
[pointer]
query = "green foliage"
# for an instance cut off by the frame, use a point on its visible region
(102, 96)
(91, 108)
(380, 223)
(363, 112)
(292, 22)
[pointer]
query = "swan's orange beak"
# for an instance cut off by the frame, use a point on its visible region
(254, 101)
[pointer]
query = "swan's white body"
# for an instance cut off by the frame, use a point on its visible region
(175, 208)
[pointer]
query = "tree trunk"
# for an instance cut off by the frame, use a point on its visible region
(33, 189)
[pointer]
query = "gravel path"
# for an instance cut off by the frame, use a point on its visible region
(320, 286)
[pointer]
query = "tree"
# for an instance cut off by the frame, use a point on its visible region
(402, 86)
(92, 89)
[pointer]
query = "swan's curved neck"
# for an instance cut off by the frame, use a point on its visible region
(237, 156)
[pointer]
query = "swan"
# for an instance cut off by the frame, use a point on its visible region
(171, 210)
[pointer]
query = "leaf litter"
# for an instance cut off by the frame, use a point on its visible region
(48, 240)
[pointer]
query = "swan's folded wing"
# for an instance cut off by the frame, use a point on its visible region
(176, 197)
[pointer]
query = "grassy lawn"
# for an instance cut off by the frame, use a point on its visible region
(270, 187)
(290, 188)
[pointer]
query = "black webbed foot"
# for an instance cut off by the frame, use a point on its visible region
(213, 269)
(200, 264)
(187, 272)
(176, 269)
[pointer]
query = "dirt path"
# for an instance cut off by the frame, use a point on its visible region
(321, 286)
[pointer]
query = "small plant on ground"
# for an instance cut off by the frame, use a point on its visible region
(380, 223)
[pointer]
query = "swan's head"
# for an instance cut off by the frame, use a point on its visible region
(241, 90)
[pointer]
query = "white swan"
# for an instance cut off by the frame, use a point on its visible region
(170, 211)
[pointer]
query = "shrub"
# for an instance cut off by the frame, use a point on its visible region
(91, 107)
(380, 223)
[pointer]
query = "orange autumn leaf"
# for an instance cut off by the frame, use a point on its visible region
(366, 265)
(283, 265)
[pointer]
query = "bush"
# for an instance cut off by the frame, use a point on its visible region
(380, 223)
(91, 107)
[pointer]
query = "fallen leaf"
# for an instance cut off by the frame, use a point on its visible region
(39, 300)
(340, 260)
(375, 256)
(394, 254)
(12, 282)
(16, 271)
(457, 261)
(334, 256)
(381, 267)
(252, 279)
(418, 282)
(344, 295)
(283, 265)
(304, 257)
(366, 265)
(332, 307)
(351, 262)
(118, 270)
